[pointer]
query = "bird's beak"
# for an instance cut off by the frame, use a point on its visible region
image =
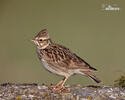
(33, 40)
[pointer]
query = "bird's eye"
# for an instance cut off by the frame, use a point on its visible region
(40, 40)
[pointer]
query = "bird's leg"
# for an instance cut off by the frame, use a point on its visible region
(62, 86)
(57, 84)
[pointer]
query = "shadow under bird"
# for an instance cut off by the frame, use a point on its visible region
(60, 60)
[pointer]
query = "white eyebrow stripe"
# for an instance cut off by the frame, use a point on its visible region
(44, 38)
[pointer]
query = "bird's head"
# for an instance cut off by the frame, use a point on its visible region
(42, 39)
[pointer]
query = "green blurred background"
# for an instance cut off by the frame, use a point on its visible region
(96, 35)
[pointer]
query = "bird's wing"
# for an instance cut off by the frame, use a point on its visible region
(63, 57)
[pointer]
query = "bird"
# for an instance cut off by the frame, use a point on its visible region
(60, 60)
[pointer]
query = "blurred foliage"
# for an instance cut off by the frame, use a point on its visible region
(120, 82)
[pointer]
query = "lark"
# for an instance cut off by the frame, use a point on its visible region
(60, 60)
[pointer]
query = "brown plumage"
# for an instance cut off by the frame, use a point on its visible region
(60, 60)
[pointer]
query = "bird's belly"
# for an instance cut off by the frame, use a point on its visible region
(53, 69)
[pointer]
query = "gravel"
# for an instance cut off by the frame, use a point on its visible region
(9, 91)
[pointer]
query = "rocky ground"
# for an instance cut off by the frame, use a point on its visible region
(42, 92)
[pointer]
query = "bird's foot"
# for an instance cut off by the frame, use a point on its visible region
(59, 88)
(53, 86)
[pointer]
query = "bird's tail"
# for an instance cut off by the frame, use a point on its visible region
(91, 75)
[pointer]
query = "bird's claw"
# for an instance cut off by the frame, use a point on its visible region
(53, 86)
(59, 88)
(56, 87)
